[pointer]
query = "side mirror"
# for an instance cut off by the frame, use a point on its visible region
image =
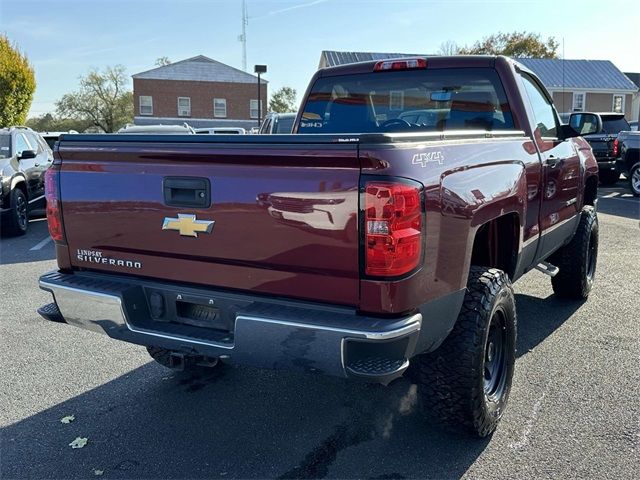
(25, 154)
(585, 123)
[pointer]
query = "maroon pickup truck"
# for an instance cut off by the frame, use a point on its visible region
(386, 231)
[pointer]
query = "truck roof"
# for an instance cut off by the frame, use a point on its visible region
(432, 61)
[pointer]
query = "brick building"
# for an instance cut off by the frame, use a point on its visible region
(199, 91)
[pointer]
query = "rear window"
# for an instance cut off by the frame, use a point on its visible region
(5, 145)
(284, 124)
(410, 100)
(614, 125)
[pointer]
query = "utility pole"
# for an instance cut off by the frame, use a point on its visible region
(259, 69)
(243, 37)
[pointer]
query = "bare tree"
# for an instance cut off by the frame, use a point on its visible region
(448, 48)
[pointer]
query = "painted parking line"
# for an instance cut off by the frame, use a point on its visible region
(40, 244)
(630, 199)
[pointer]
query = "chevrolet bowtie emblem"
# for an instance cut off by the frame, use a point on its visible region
(187, 225)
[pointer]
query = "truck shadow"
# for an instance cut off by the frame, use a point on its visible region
(236, 423)
(540, 317)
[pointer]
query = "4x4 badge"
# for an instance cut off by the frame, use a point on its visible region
(187, 225)
(427, 157)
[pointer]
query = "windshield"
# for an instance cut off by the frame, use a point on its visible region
(614, 125)
(5, 146)
(407, 100)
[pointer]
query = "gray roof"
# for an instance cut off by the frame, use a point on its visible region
(199, 69)
(583, 74)
(330, 58)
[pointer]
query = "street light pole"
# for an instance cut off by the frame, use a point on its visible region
(259, 69)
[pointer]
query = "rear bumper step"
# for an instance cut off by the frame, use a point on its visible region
(243, 329)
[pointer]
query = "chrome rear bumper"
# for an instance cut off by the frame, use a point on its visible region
(265, 333)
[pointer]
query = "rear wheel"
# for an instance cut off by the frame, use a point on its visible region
(578, 259)
(18, 216)
(467, 380)
(634, 179)
(608, 177)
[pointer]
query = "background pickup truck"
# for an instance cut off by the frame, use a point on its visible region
(225, 248)
(603, 141)
(628, 162)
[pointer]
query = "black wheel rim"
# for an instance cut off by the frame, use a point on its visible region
(495, 358)
(21, 211)
(592, 253)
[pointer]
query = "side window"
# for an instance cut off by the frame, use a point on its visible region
(21, 144)
(542, 109)
(33, 141)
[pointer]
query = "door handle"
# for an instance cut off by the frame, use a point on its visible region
(553, 161)
(37, 165)
(192, 192)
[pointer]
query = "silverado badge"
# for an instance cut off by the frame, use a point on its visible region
(187, 225)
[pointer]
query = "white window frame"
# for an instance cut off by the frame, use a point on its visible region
(613, 104)
(188, 109)
(582, 95)
(252, 102)
(150, 105)
(396, 104)
(224, 102)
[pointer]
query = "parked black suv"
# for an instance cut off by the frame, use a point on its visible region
(24, 158)
(603, 142)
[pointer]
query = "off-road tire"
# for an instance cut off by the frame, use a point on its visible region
(162, 356)
(608, 177)
(451, 380)
(634, 183)
(17, 219)
(578, 259)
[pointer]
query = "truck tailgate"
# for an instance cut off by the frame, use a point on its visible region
(285, 214)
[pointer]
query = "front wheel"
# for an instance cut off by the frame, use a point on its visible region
(18, 215)
(634, 179)
(578, 259)
(467, 380)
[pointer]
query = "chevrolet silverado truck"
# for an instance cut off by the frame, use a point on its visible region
(627, 145)
(214, 249)
(603, 141)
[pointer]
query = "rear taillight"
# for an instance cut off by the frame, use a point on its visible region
(616, 147)
(400, 64)
(54, 212)
(392, 228)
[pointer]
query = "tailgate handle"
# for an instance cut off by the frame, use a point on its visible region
(187, 192)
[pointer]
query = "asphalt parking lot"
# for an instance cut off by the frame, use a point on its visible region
(573, 411)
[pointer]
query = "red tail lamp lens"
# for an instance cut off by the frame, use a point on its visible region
(393, 228)
(54, 214)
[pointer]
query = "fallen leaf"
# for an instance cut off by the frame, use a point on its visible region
(78, 443)
(98, 472)
(68, 419)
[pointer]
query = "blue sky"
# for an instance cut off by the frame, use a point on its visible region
(65, 38)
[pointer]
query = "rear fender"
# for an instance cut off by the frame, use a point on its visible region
(472, 197)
